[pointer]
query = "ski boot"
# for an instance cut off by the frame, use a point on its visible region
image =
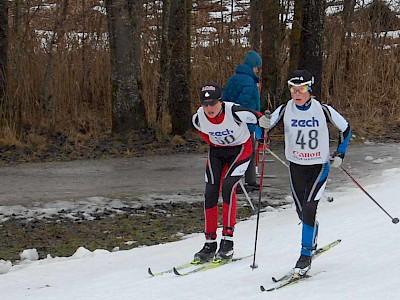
(225, 251)
(206, 253)
(302, 266)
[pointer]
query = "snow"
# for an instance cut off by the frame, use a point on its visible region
(87, 207)
(29, 254)
(364, 266)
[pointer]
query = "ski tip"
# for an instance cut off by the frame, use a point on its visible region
(150, 272)
(263, 289)
(338, 241)
(274, 279)
(176, 272)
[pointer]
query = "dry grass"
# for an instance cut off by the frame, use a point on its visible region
(8, 137)
(178, 141)
(366, 90)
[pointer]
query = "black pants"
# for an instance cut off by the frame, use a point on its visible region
(307, 184)
(225, 167)
(250, 177)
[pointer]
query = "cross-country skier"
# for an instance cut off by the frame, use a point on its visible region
(305, 122)
(223, 125)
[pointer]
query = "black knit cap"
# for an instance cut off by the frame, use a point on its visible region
(210, 93)
(301, 77)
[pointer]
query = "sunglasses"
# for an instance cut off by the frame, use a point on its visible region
(299, 89)
(210, 103)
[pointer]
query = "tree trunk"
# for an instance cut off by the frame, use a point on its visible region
(15, 103)
(255, 24)
(270, 97)
(179, 93)
(311, 45)
(3, 51)
(348, 11)
(163, 86)
(124, 20)
(295, 35)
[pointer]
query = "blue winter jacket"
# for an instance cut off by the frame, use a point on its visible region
(242, 89)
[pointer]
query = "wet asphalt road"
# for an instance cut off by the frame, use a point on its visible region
(166, 175)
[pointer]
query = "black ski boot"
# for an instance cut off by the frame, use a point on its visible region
(205, 254)
(303, 265)
(225, 250)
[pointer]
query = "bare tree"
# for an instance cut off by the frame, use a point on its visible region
(311, 45)
(15, 111)
(124, 21)
(270, 53)
(69, 77)
(3, 49)
(255, 24)
(179, 92)
(295, 35)
(348, 11)
(163, 86)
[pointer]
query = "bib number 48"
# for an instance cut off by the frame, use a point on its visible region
(311, 141)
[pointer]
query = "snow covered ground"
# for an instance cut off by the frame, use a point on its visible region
(364, 266)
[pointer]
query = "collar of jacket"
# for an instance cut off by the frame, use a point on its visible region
(246, 69)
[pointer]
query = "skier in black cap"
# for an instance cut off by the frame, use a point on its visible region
(223, 125)
(305, 122)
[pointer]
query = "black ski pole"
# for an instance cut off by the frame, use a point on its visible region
(254, 265)
(394, 220)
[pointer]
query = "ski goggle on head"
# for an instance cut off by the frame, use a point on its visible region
(298, 84)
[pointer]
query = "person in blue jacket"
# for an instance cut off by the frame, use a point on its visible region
(242, 88)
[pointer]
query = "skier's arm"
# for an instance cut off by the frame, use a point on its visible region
(196, 124)
(277, 116)
(342, 125)
(244, 115)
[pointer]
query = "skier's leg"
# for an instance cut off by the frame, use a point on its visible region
(236, 165)
(297, 187)
(316, 184)
(213, 175)
(312, 186)
(250, 174)
(213, 180)
(229, 208)
(309, 229)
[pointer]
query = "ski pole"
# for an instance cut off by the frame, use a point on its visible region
(254, 265)
(394, 220)
(277, 157)
(247, 196)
